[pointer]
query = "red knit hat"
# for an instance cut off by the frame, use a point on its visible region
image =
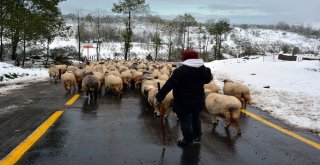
(189, 54)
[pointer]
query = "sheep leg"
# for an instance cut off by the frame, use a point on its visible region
(236, 124)
(244, 103)
(228, 117)
(214, 121)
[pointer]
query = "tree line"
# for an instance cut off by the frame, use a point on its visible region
(26, 22)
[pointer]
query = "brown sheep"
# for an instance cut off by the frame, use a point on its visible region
(90, 85)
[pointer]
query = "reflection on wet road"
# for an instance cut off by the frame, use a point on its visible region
(125, 131)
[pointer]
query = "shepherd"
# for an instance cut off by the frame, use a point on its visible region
(187, 84)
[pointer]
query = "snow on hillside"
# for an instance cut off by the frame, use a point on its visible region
(265, 40)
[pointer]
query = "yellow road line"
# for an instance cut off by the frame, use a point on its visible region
(285, 131)
(23, 147)
(72, 100)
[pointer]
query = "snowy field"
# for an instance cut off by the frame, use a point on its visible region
(293, 96)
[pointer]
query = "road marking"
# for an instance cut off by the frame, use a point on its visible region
(285, 131)
(72, 100)
(23, 147)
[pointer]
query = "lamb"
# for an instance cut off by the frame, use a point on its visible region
(53, 74)
(240, 91)
(68, 81)
(224, 106)
(114, 84)
(90, 84)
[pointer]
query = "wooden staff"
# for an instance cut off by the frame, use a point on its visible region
(161, 118)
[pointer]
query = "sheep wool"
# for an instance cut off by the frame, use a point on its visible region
(90, 85)
(53, 74)
(114, 84)
(240, 91)
(68, 81)
(226, 106)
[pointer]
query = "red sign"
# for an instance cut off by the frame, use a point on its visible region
(87, 46)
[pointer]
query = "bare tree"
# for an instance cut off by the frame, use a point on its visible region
(129, 7)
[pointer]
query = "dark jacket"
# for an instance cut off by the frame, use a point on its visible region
(187, 85)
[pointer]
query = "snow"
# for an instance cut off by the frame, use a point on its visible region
(24, 76)
(293, 96)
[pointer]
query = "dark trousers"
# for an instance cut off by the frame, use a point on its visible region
(190, 125)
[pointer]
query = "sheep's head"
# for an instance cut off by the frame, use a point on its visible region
(227, 80)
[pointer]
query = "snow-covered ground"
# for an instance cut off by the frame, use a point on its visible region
(293, 96)
(12, 77)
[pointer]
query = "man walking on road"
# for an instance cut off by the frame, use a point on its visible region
(187, 84)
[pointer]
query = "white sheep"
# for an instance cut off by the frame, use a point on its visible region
(79, 74)
(240, 91)
(114, 84)
(62, 69)
(224, 106)
(126, 78)
(53, 74)
(100, 78)
(212, 87)
(136, 77)
(68, 81)
(71, 68)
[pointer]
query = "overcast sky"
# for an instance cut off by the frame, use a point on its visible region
(237, 11)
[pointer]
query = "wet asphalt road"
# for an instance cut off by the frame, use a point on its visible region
(125, 131)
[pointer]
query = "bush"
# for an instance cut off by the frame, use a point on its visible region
(62, 55)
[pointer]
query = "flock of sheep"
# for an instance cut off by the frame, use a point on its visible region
(118, 76)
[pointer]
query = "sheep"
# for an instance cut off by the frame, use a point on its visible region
(163, 77)
(71, 68)
(126, 78)
(224, 106)
(68, 81)
(79, 73)
(62, 69)
(100, 78)
(136, 77)
(114, 84)
(90, 84)
(151, 91)
(53, 74)
(146, 82)
(212, 86)
(240, 91)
